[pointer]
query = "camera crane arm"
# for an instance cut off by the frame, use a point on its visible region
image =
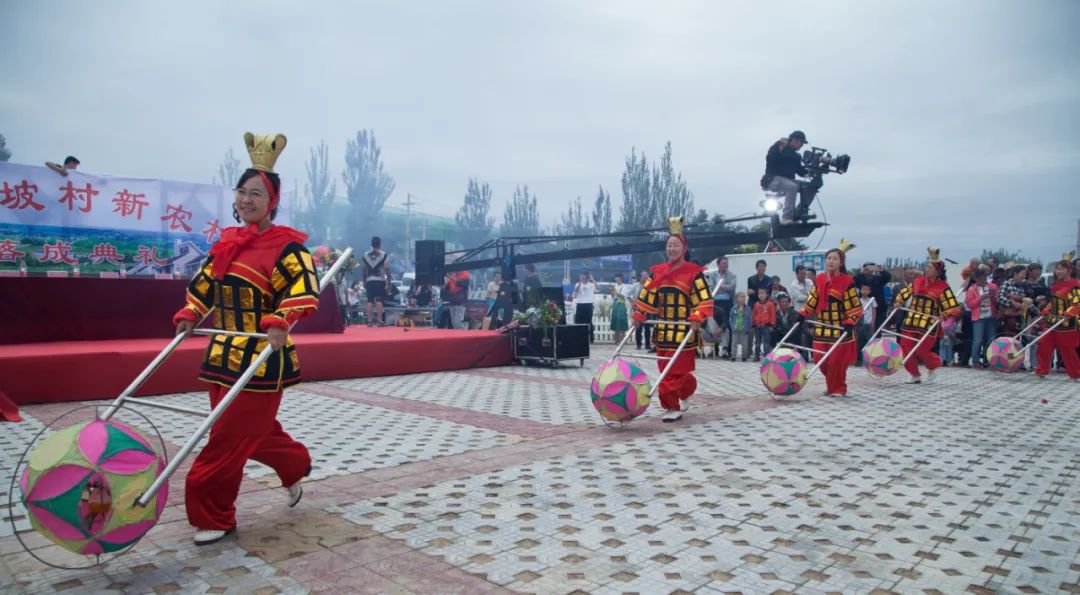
(506, 258)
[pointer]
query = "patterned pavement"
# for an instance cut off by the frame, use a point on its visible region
(503, 480)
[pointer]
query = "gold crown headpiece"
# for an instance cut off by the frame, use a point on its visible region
(935, 254)
(1068, 256)
(264, 149)
(846, 245)
(675, 225)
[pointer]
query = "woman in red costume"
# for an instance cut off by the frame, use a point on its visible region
(677, 292)
(258, 278)
(1064, 303)
(834, 301)
(930, 299)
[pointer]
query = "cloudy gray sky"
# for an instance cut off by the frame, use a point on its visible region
(962, 118)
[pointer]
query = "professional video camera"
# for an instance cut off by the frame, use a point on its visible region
(818, 162)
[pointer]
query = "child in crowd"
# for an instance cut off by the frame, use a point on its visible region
(786, 317)
(947, 343)
(739, 321)
(764, 319)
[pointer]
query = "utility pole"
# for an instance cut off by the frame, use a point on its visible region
(409, 202)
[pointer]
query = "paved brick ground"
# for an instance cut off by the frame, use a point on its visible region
(503, 480)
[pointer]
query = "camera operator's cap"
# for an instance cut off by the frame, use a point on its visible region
(798, 135)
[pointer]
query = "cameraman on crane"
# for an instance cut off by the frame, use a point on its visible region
(782, 164)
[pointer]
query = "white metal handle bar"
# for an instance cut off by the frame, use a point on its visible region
(882, 329)
(672, 322)
(1031, 325)
(823, 325)
(916, 312)
(929, 332)
(826, 355)
(217, 331)
(1041, 336)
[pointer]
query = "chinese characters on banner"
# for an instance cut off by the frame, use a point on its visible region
(88, 224)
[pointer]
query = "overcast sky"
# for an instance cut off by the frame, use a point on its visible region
(962, 118)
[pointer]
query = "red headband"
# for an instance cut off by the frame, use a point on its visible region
(269, 189)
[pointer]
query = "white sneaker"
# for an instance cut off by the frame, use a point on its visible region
(208, 536)
(684, 405)
(914, 380)
(295, 491)
(671, 416)
(930, 375)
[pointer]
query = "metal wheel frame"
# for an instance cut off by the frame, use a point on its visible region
(98, 558)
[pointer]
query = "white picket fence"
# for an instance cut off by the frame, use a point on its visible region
(601, 324)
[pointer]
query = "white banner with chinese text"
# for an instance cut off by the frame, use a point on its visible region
(95, 223)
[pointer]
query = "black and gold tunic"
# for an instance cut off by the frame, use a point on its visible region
(681, 294)
(264, 287)
(929, 300)
(1064, 303)
(835, 302)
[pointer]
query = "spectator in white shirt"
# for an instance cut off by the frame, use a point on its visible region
(799, 289)
(584, 297)
(493, 287)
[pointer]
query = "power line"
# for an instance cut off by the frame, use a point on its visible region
(409, 202)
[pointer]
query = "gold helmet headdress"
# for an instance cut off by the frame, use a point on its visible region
(264, 150)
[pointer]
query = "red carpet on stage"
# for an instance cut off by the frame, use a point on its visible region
(81, 370)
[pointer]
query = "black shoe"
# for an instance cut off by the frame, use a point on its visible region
(744, 359)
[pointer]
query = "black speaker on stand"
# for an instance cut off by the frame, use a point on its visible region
(430, 262)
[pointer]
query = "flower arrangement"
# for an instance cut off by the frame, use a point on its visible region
(545, 316)
(324, 257)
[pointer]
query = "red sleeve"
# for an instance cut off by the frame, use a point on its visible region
(184, 313)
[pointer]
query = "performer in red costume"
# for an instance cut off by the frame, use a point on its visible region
(834, 301)
(930, 296)
(258, 277)
(677, 292)
(1064, 303)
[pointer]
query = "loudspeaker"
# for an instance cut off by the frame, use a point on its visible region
(430, 260)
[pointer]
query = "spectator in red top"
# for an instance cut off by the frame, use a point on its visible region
(777, 288)
(764, 319)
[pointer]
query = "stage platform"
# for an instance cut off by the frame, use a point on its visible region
(81, 370)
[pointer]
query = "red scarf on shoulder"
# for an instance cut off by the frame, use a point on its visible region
(235, 239)
(665, 271)
(825, 283)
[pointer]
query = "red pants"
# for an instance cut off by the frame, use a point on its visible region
(679, 383)
(1065, 342)
(247, 430)
(926, 354)
(836, 365)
